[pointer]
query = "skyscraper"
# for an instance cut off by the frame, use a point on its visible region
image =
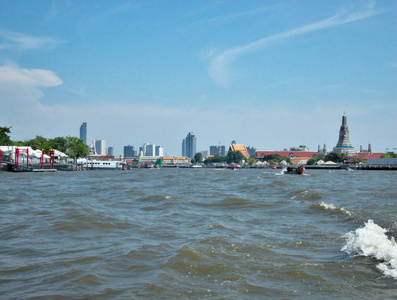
(83, 133)
(100, 147)
(159, 151)
(148, 149)
(129, 151)
(184, 147)
(343, 145)
(190, 145)
(110, 151)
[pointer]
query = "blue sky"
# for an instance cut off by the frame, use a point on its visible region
(268, 74)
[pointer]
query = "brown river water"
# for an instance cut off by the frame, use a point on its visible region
(198, 233)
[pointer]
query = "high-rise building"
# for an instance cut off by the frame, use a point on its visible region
(83, 133)
(184, 147)
(159, 151)
(151, 150)
(129, 151)
(148, 149)
(110, 151)
(219, 150)
(190, 145)
(100, 147)
(343, 145)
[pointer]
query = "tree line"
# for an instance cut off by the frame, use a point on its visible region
(231, 157)
(70, 145)
(237, 157)
(333, 156)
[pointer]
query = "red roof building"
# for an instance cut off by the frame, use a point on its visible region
(367, 155)
(303, 154)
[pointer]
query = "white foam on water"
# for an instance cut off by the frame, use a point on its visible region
(330, 206)
(372, 241)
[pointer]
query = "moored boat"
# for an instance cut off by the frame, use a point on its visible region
(102, 165)
(196, 166)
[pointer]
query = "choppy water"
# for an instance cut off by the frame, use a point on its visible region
(207, 233)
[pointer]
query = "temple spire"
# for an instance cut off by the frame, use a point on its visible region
(343, 145)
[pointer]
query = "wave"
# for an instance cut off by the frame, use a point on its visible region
(372, 241)
(307, 195)
(333, 207)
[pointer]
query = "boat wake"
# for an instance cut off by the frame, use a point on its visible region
(372, 241)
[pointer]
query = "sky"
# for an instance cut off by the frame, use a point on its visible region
(267, 74)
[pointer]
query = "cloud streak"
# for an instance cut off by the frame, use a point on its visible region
(219, 68)
(23, 42)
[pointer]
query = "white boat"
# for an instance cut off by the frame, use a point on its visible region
(103, 165)
(195, 166)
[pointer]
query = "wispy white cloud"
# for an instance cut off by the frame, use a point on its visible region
(219, 68)
(93, 17)
(19, 41)
(240, 14)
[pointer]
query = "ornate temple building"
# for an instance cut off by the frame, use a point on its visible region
(343, 145)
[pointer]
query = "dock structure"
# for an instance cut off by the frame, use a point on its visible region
(12, 167)
(25, 159)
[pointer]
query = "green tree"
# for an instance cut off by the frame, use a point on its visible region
(76, 148)
(18, 143)
(4, 138)
(198, 157)
(38, 142)
(336, 157)
(58, 143)
(234, 157)
(252, 161)
(358, 160)
(215, 159)
(389, 155)
(312, 161)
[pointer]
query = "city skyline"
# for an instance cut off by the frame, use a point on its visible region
(189, 146)
(272, 75)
